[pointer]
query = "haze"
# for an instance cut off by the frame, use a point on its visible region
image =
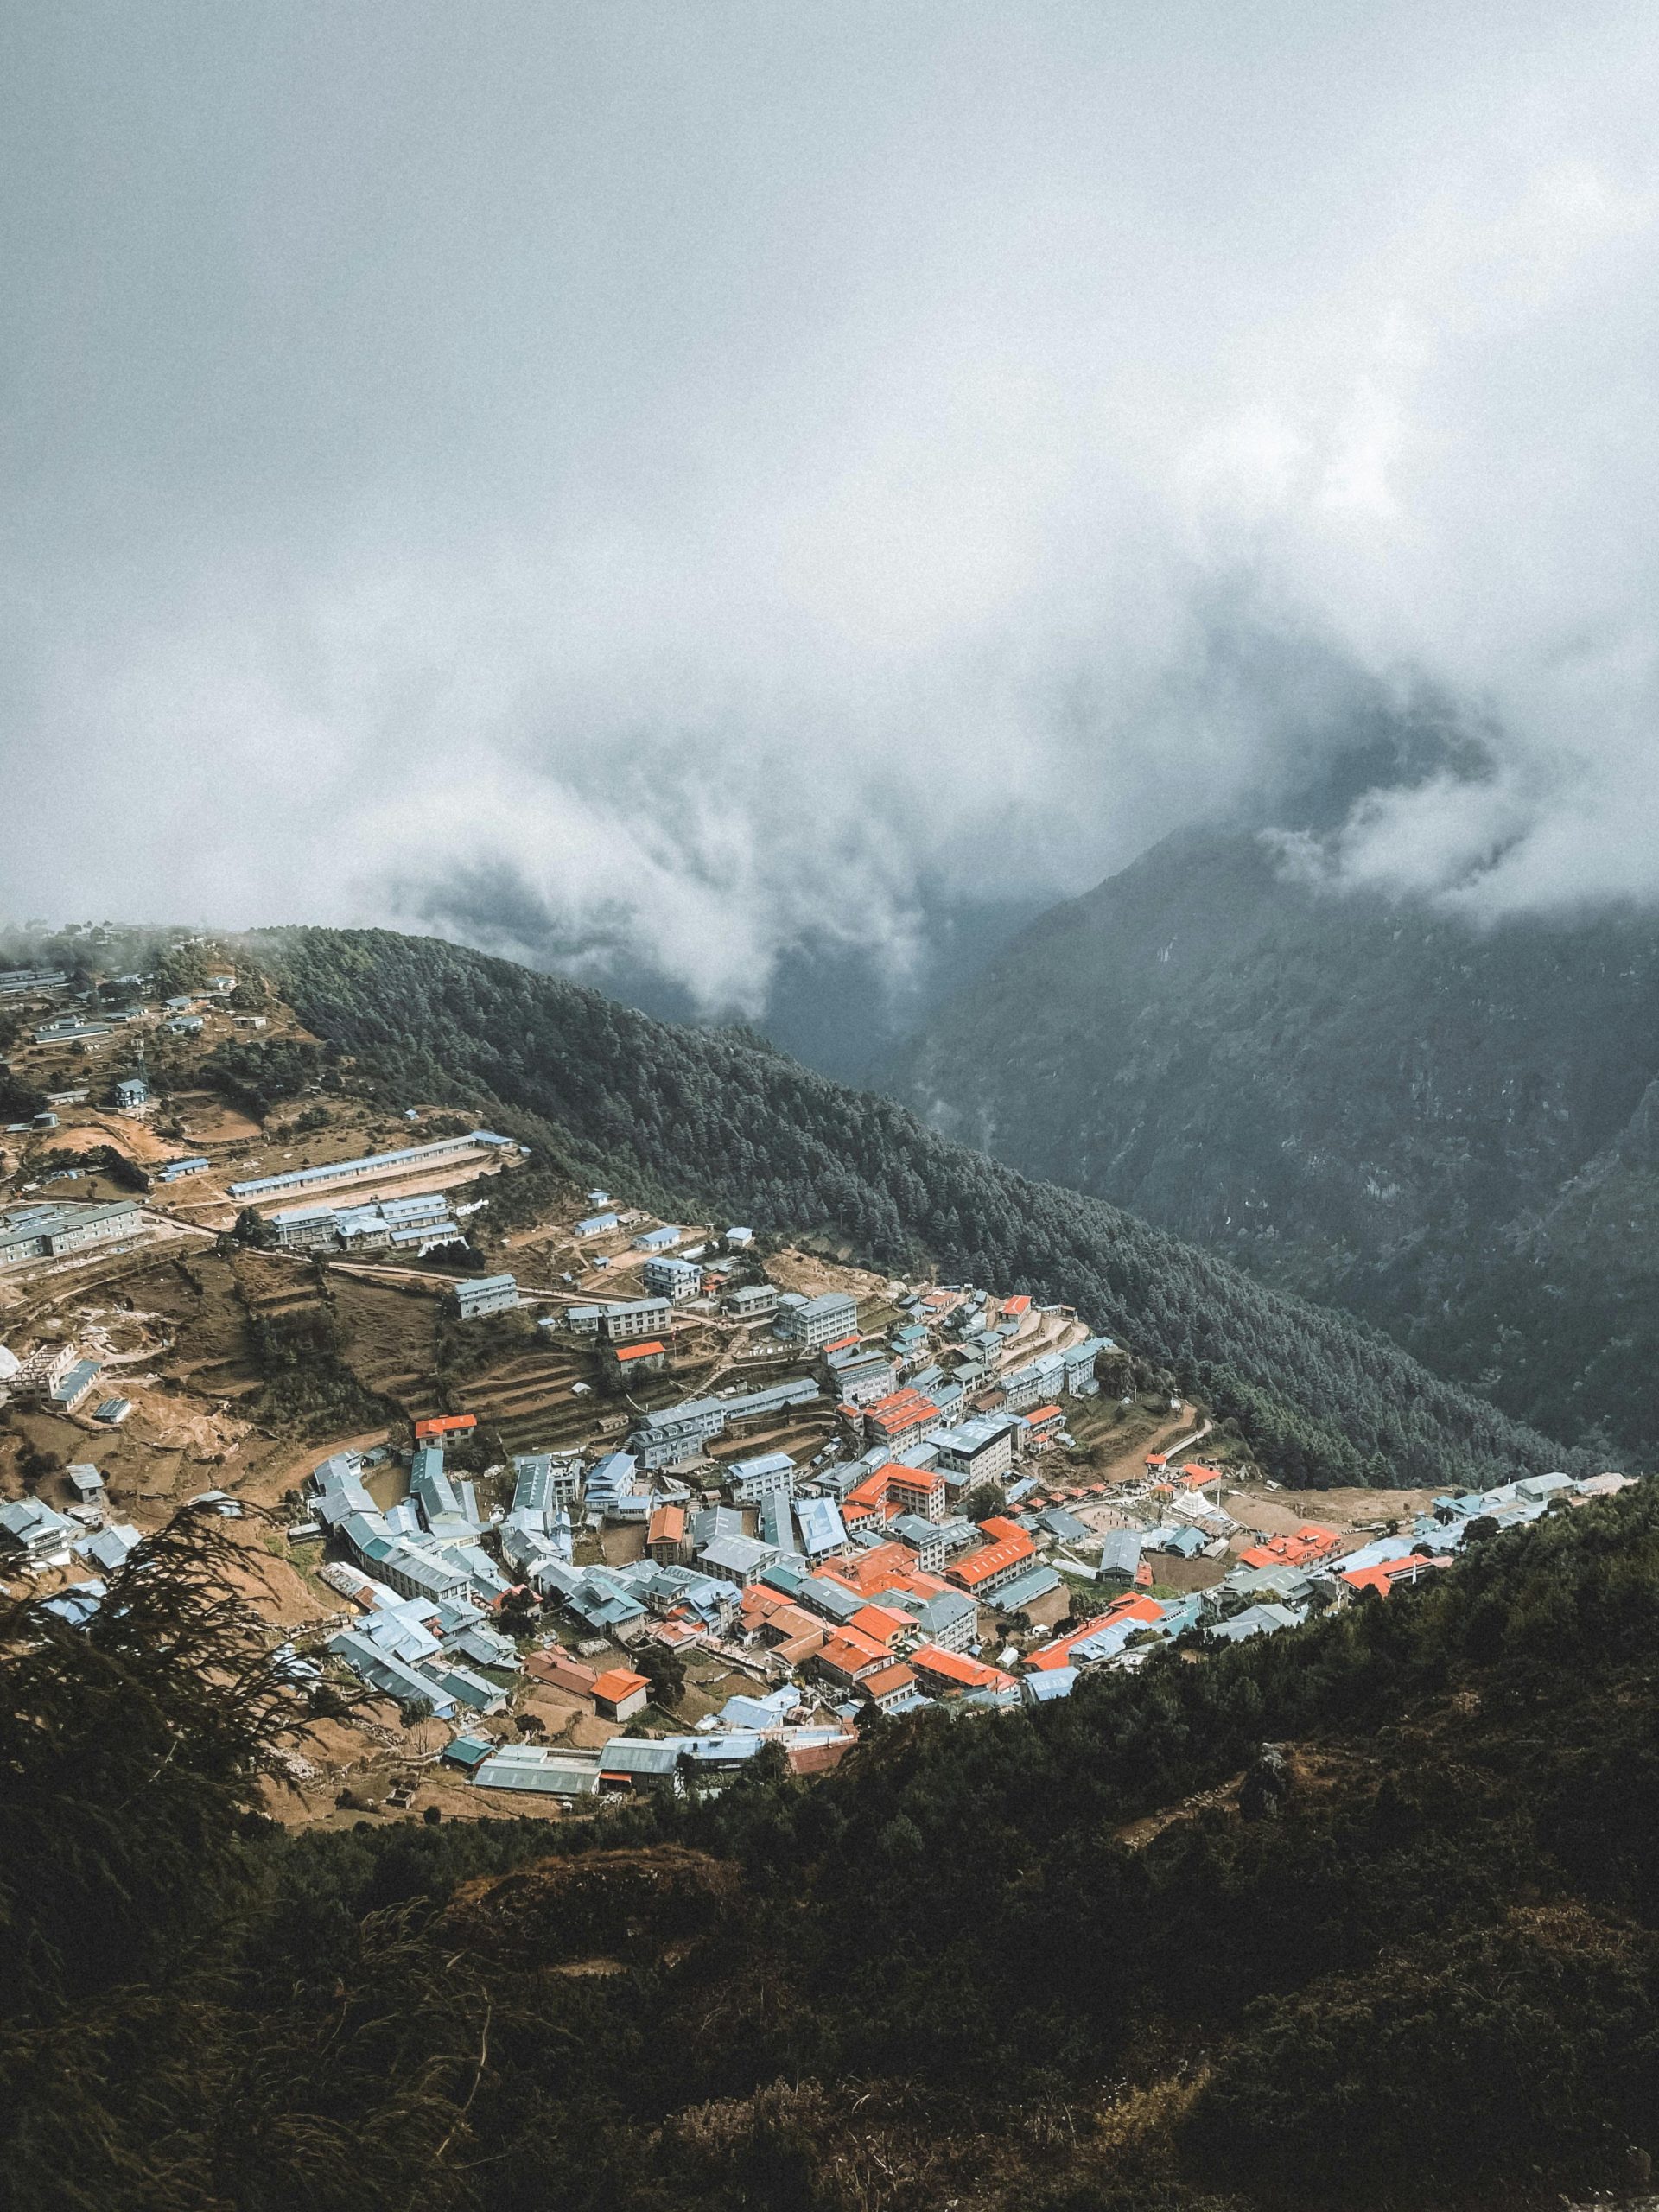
(656, 484)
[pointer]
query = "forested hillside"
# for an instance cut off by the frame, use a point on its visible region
(690, 1118)
(1366, 1913)
(1450, 1132)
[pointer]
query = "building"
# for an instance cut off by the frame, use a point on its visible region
(541, 1482)
(618, 1694)
(302, 1228)
(663, 1239)
(662, 1438)
(996, 1563)
(540, 1771)
(812, 1323)
(556, 1665)
(924, 1538)
(1082, 1380)
(849, 1658)
(820, 1526)
(1025, 1589)
(665, 1537)
(948, 1674)
(131, 1094)
(752, 1301)
(74, 1386)
(1043, 1426)
(979, 1450)
(627, 1362)
(70, 1029)
(36, 1377)
(421, 1221)
(893, 1421)
(888, 1687)
(620, 1325)
(48, 1231)
(950, 1622)
(753, 1479)
(672, 1278)
(1040, 1380)
(176, 1171)
(638, 1763)
(1302, 1549)
(486, 1294)
(444, 1425)
(858, 1374)
(919, 1490)
(1120, 1557)
(411, 1159)
(31, 1531)
(777, 1529)
(741, 1559)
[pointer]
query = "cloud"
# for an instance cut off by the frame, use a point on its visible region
(657, 488)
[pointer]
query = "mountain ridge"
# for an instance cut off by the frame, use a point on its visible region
(1363, 1099)
(690, 1114)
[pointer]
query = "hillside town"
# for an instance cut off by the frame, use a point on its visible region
(682, 1496)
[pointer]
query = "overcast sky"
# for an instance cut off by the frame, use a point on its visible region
(695, 473)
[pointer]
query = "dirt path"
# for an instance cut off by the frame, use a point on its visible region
(265, 1482)
(1130, 1465)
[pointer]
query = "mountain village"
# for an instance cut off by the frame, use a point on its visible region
(648, 1500)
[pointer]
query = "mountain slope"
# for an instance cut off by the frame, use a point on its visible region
(1366, 1913)
(1367, 1101)
(682, 1117)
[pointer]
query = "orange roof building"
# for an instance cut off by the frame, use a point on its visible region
(892, 1489)
(665, 1536)
(1392, 1573)
(563, 1672)
(619, 1693)
(1059, 1653)
(888, 1686)
(884, 1566)
(880, 1624)
(916, 1490)
(902, 1414)
(1302, 1549)
(953, 1671)
(866, 1498)
(996, 1562)
(848, 1657)
(649, 1348)
(446, 1424)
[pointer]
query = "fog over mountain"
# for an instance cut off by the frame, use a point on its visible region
(674, 492)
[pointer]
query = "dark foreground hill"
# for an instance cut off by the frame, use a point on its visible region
(1102, 1957)
(1454, 1134)
(690, 1118)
